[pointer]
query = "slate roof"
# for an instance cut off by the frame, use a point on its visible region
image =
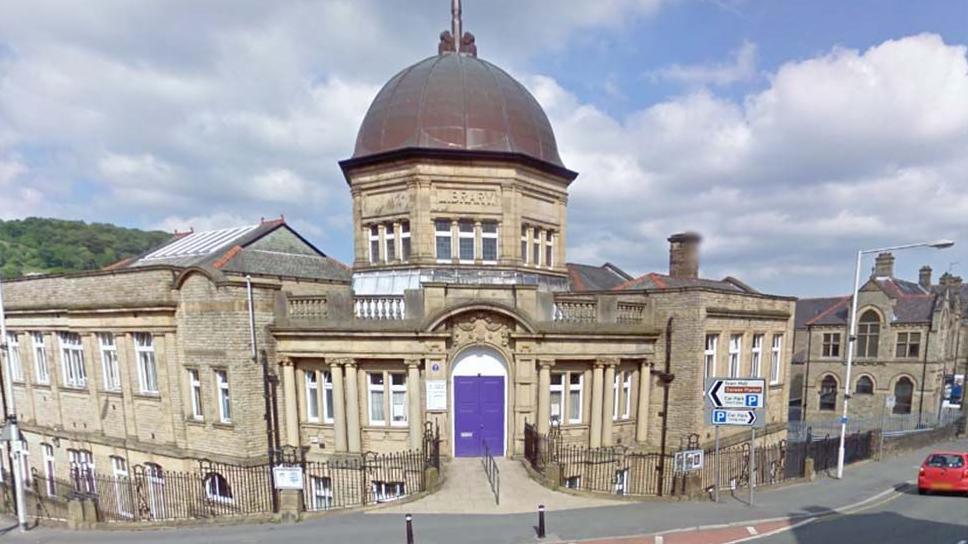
(809, 309)
(913, 304)
(585, 277)
(236, 250)
(663, 281)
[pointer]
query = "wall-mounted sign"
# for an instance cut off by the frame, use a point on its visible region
(288, 477)
(688, 460)
(436, 395)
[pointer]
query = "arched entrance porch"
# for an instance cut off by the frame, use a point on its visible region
(479, 385)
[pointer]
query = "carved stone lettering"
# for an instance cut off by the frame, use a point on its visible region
(467, 198)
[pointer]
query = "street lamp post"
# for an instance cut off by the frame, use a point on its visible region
(852, 339)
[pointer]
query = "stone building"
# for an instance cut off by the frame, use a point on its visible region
(460, 310)
(910, 336)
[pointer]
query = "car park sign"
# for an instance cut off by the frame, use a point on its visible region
(736, 393)
(735, 418)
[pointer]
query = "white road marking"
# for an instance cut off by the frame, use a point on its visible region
(659, 539)
(751, 530)
(963, 542)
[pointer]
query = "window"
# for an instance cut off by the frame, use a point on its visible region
(621, 391)
(756, 356)
(327, 397)
(109, 361)
(465, 245)
(144, 350)
(320, 493)
(868, 334)
(575, 380)
(735, 346)
(776, 359)
(627, 392)
(217, 488)
(489, 238)
(828, 394)
(389, 243)
(908, 345)
(557, 394)
(903, 395)
(377, 391)
(156, 490)
(536, 244)
(195, 391)
(616, 394)
(443, 241)
(49, 482)
(40, 358)
(549, 259)
(621, 481)
(405, 241)
(831, 344)
(224, 400)
(72, 360)
(865, 386)
(374, 244)
(13, 353)
(312, 396)
(709, 363)
(119, 468)
(573, 482)
(387, 491)
(398, 399)
(82, 469)
(524, 244)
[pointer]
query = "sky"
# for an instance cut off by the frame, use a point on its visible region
(789, 134)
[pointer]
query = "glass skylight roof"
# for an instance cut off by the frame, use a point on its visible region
(198, 243)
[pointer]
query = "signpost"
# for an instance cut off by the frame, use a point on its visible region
(736, 402)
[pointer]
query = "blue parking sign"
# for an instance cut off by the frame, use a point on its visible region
(752, 401)
(719, 416)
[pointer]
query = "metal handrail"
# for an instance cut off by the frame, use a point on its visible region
(491, 471)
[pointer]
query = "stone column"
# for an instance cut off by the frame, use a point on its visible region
(645, 394)
(544, 395)
(608, 405)
(339, 406)
(415, 410)
(352, 408)
(292, 407)
(595, 439)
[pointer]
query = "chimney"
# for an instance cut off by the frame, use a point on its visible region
(684, 255)
(884, 266)
(924, 277)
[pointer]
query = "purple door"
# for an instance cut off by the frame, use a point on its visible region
(479, 414)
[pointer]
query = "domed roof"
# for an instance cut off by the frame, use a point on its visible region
(456, 101)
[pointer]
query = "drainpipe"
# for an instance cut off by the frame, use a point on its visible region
(924, 376)
(265, 390)
(666, 378)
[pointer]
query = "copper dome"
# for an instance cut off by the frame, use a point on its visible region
(457, 102)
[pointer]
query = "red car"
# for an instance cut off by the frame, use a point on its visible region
(944, 471)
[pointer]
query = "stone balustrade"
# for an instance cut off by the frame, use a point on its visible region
(630, 312)
(379, 307)
(575, 311)
(308, 307)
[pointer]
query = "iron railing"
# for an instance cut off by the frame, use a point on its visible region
(491, 471)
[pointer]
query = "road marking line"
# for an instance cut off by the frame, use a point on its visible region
(659, 539)
(773, 532)
(963, 542)
(751, 530)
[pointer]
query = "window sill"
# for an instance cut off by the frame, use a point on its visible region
(194, 421)
(148, 396)
(44, 386)
(223, 425)
(775, 386)
(74, 389)
(111, 392)
(391, 428)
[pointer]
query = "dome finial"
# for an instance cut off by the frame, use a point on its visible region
(456, 40)
(455, 19)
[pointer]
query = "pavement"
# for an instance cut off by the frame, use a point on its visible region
(871, 504)
(467, 491)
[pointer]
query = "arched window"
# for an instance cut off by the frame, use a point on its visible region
(217, 487)
(903, 395)
(868, 333)
(828, 394)
(865, 386)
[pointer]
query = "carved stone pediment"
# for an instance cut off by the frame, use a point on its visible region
(480, 328)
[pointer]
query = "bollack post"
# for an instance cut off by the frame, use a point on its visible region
(752, 462)
(409, 519)
(716, 485)
(541, 521)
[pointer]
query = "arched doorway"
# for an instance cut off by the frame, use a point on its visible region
(479, 384)
(903, 395)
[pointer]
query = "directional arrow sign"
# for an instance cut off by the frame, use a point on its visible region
(738, 418)
(736, 393)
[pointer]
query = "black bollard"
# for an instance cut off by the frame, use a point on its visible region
(541, 521)
(409, 519)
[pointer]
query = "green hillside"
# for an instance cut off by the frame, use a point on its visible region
(50, 246)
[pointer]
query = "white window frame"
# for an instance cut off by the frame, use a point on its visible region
(119, 469)
(374, 247)
(224, 396)
(320, 493)
(525, 246)
(549, 255)
(13, 354)
(581, 397)
(72, 360)
(621, 486)
(41, 371)
(312, 396)
(156, 490)
(50, 475)
(709, 358)
(144, 350)
(756, 356)
(195, 393)
(328, 399)
(405, 247)
(108, 347)
(214, 491)
(536, 246)
(616, 395)
(398, 419)
(387, 491)
(466, 235)
(83, 462)
(495, 236)
(735, 349)
(389, 243)
(439, 234)
(627, 391)
(560, 389)
(776, 359)
(371, 390)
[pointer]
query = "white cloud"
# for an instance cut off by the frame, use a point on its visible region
(741, 67)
